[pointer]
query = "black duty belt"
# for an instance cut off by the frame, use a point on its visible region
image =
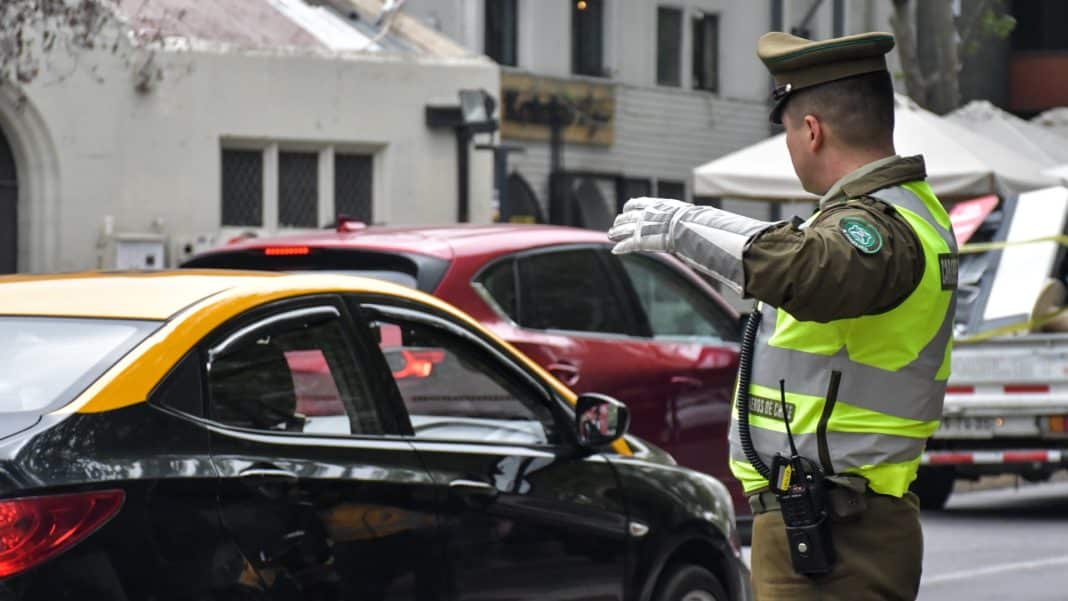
(844, 501)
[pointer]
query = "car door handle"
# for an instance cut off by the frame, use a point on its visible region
(267, 473)
(687, 381)
(473, 487)
(568, 373)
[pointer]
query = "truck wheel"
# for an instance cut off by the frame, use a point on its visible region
(933, 485)
(689, 583)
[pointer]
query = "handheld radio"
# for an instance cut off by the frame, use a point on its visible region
(797, 482)
(799, 486)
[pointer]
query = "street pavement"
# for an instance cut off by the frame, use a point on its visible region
(997, 545)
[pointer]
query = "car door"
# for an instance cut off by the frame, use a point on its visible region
(526, 515)
(190, 556)
(570, 314)
(321, 500)
(574, 313)
(641, 328)
(686, 322)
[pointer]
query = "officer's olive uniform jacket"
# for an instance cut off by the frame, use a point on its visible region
(815, 274)
(876, 306)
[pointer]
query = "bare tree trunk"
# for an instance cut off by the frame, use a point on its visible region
(944, 74)
(928, 48)
(901, 21)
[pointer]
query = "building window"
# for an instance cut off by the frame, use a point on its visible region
(670, 189)
(668, 46)
(1040, 25)
(242, 187)
(352, 185)
(501, 31)
(587, 37)
(632, 187)
(302, 197)
(706, 53)
(298, 189)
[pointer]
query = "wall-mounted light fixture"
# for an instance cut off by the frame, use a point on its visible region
(474, 115)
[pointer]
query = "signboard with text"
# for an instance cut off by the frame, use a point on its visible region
(585, 109)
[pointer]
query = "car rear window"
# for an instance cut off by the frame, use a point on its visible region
(45, 362)
(409, 269)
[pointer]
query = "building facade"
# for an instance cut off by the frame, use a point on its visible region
(189, 123)
(646, 90)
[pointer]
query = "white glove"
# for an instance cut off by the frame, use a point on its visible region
(647, 224)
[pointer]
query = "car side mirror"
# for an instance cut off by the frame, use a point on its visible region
(600, 420)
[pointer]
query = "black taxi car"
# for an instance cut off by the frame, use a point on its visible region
(203, 435)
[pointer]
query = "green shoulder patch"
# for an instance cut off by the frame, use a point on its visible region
(861, 234)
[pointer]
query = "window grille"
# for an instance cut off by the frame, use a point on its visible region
(298, 189)
(353, 179)
(242, 188)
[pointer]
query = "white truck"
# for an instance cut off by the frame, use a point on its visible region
(1006, 406)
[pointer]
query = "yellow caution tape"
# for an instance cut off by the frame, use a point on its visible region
(1029, 324)
(1011, 328)
(978, 247)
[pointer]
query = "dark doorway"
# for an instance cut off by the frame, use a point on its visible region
(591, 199)
(523, 206)
(9, 202)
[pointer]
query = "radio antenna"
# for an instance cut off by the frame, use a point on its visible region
(786, 417)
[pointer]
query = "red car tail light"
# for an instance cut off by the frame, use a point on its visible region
(286, 251)
(34, 529)
(419, 364)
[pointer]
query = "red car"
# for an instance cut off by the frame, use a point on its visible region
(642, 328)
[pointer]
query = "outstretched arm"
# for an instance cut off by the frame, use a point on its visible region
(854, 259)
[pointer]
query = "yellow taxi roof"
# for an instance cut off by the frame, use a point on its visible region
(211, 297)
(147, 295)
(192, 302)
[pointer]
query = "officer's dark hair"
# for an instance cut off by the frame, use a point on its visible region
(859, 110)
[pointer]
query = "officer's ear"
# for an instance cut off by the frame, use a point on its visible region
(814, 132)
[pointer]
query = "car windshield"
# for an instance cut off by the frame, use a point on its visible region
(45, 362)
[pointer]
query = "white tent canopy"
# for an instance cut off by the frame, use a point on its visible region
(959, 163)
(1054, 121)
(1035, 142)
(1059, 172)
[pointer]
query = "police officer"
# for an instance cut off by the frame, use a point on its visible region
(864, 290)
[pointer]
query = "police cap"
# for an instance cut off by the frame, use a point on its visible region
(796, 63)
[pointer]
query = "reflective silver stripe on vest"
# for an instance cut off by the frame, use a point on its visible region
(910, 393)
(904, 393)
(851, 450)
(904, 198)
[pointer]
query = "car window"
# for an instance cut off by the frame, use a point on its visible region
(45, 362)
(568, 290)
(455, 389)
(498, 284)
(291, 372)
(674, 307)
(183, 388)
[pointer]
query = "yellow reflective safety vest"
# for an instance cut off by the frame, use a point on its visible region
(893, 366)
